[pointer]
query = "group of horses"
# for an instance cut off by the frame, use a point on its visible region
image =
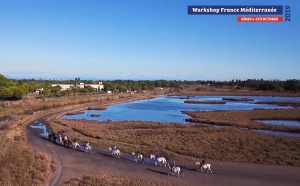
(64, 140)
(159, 160)
(114, 151)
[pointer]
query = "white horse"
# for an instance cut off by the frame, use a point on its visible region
(138, 156)
(205, 166)
(60, 140)
(75, 145)
(114, 152)
(152, 156)
(159, 160)
(175, 170)
(87, 148)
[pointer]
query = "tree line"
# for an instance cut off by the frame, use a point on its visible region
(15, 89)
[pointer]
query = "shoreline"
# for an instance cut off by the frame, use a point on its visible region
(235, 93)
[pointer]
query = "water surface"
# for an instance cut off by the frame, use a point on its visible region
(168, 109)
(42, 127)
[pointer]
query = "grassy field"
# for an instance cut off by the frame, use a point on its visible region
(246, 119)
(185, 142)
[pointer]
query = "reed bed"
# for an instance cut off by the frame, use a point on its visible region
(230, 92)
(281, 103)
(20, 164)
(246, 119)
(19, 107)
(184, 142)
(237, 99)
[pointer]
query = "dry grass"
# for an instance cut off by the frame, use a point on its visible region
(207, 90)
(20, 165)
(7, 108)
(281, 103)
(74, 113)
(185, 141)
(110, 179)
(238, 99)
(246, 119)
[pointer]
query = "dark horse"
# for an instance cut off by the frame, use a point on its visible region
(66, 142)
(52, 136)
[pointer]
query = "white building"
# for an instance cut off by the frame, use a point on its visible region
(81, 85)
(63, 86)
(97, 87)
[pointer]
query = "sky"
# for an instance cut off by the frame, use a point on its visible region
(140, 40)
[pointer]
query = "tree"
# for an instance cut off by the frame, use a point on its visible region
(292, 85)
(89, 89)
(5, 93)
(77, 82)
(55, 90)
(46, 91)
(18, 92)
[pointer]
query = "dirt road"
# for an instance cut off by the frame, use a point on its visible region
(73, 163)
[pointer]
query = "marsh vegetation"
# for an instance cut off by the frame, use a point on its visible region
(184, 141)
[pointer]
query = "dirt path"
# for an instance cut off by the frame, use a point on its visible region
(72, 163)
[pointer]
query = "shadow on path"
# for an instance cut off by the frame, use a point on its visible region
(156, 171)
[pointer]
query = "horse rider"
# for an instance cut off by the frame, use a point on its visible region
(50, 135)
(60, 139)
(203, 162)
(173, 164)
(158, 154)
(54, 137)
(114, 147)
(65, 140)
(87, 145)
